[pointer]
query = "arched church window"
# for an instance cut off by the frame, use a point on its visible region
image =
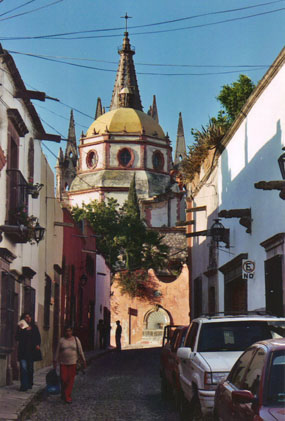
(158, 160)
(125, 157)
(92, 159)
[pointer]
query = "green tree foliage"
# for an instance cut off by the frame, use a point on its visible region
(124, 241)
(233, 97)
(104, 218)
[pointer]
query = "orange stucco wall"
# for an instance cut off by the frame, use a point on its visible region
(175, 300)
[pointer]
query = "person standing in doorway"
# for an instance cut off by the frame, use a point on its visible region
(101, 329)
(29, 341)
(118, 335)
(68, 348)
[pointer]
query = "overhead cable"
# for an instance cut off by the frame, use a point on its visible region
(52, 36)
(32, 11)
(16, 8)
(139, 73)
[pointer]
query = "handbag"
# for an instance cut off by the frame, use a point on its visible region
(80, 363)
(52, 383)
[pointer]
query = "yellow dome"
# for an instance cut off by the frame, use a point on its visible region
(125, 120)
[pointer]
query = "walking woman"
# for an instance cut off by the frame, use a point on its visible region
(29, 341)
(68, 350)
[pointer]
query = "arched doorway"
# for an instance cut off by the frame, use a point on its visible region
(154, 322)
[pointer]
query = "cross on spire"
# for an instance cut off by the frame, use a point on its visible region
(126, 17)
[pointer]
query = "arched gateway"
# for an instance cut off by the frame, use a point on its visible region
(154, 322)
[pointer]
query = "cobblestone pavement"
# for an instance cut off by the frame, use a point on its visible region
(119, 386)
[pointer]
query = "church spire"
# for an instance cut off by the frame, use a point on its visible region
(153, 110)
(180, 150)
(99, 109)
(126, 91)
(71, 130)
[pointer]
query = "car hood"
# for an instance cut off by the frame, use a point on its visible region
(221, 361)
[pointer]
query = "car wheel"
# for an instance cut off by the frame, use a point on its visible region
(195, 410)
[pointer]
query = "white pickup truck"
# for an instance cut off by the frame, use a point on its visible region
(211, 347)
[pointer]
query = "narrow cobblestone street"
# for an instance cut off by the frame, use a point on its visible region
(116, 387)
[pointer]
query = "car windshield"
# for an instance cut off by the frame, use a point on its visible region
(237, 335)
(275, 393)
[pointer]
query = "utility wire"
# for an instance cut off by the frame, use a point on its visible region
(139, 73)
(66, 105)
(51, 36)
(146, 64)
(16, 8)
(32, 11)
(61, 116)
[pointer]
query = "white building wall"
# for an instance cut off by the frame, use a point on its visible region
(103, 288)
(251, 156)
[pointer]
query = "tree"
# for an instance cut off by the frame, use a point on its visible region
(233, 97)
(129, 248)
(104, 218)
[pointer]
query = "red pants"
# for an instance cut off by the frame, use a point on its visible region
(67, 376)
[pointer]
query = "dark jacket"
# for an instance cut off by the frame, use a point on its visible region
(27, 342)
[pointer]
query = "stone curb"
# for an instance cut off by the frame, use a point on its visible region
(15, 405)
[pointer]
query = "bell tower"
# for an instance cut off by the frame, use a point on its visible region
(67, 163)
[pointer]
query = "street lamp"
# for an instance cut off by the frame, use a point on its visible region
(217, 231)
(38, 232)
(281, 163)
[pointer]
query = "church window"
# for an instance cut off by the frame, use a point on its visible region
(125, 157)
(92, 159)
(158, 160)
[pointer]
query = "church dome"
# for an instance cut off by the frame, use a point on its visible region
(125, 120)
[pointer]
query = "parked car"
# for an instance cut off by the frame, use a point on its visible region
(255, 387)
(212, 346)
(169, 373)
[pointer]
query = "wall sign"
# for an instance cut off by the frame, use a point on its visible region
(248, 269)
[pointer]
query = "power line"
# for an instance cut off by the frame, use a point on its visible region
(53, 36)
(32, 11)
(146, 64)
(51, 127)
(66, 105)
(61, 116)
(16, 8)
(139, 73)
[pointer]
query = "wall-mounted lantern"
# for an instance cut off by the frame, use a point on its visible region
(38, 232)
(217, 231)
(275, 184)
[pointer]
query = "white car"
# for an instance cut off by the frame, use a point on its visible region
(212, 346)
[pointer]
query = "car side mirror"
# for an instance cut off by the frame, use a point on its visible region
(242, 396)
(184, 353)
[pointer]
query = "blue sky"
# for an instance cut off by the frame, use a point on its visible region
(202, 53)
